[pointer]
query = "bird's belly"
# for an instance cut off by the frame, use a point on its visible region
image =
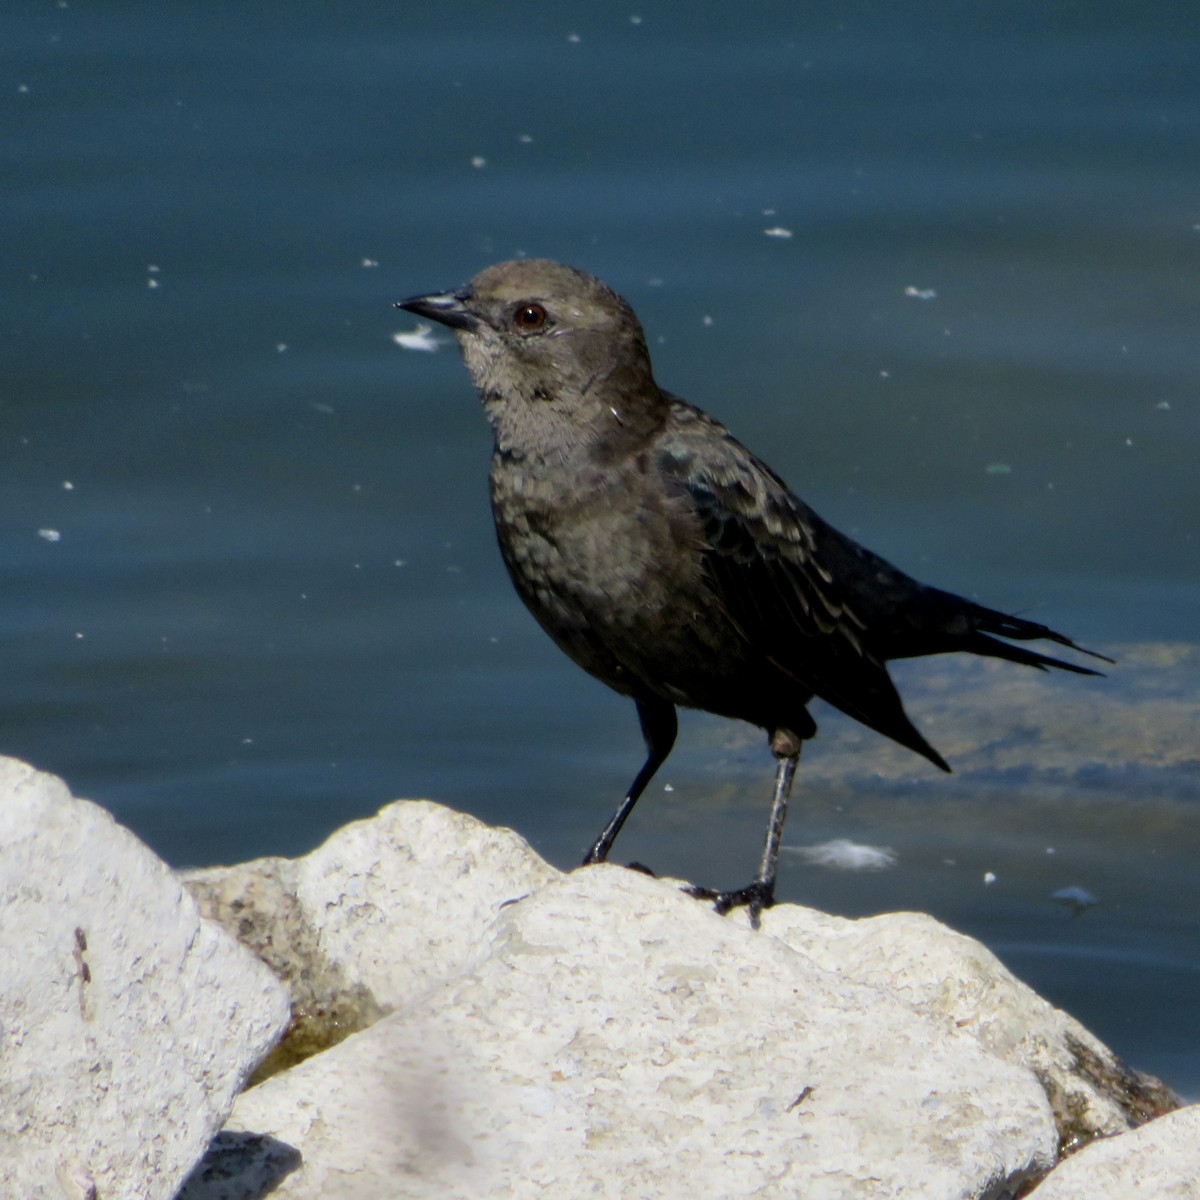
(631, 605)
(609, 586)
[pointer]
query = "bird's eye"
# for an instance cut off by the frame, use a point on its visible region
(530, 318)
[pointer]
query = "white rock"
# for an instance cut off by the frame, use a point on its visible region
(384, 910)
(391, 906)
(401, 900)
(962, 985)
(127, 1022)
(611, 1037)
(1159, 1161)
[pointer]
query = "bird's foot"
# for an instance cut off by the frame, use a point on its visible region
(640, 868)
(755, 896)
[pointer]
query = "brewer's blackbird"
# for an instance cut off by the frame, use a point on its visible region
(670, 562)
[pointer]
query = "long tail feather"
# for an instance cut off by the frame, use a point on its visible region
(1003, 625)
(981, 643)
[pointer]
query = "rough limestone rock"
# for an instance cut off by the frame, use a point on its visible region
(391, 907)
(661, 1051)
(1159, 1161)
(384, 910)
(962, 985)
(127, 1023)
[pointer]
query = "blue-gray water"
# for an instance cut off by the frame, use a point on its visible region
(248, 586)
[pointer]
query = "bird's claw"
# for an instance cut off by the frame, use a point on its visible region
(641, 869)
(755, 897)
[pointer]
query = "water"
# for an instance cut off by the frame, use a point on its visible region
(249, 585)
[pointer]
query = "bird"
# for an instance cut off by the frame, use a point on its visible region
(673, 564)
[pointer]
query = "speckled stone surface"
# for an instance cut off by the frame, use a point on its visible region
(1159, 1161)
(127, 1022)
(617, 1039)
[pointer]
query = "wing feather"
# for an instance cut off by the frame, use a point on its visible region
(766, 562)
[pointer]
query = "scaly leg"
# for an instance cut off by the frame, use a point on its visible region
(761, 893)
(659, 728)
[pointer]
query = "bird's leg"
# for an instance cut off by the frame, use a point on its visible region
(760, 894)
(659, 728)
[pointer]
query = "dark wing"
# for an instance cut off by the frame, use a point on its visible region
(802, 595)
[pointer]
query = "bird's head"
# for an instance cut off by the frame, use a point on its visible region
(548, 346)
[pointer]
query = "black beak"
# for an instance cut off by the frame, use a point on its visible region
(447, 308)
